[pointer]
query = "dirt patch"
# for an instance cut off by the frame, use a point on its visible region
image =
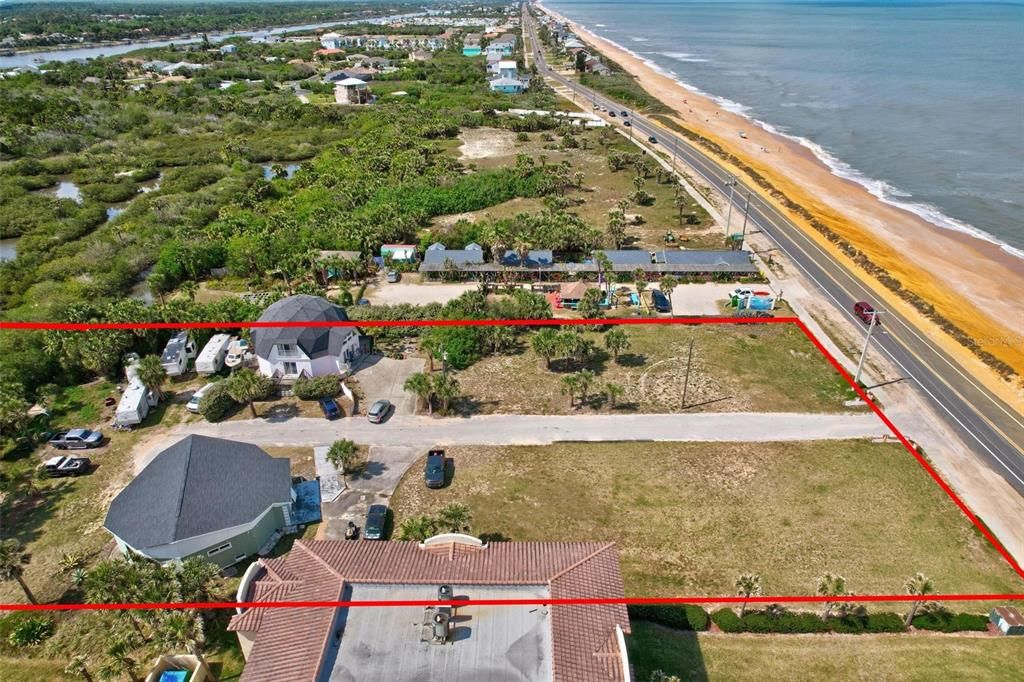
(484, 143)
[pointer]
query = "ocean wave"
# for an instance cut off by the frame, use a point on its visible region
(683, 57)
(601, 25)
(637, 39)
(879, 188)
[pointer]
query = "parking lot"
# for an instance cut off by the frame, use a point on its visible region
(700, 299)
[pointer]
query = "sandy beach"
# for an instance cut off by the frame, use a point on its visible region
(972, 282)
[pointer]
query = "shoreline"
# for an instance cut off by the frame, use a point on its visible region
(963, 276)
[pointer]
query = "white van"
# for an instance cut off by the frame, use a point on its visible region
(193, 403)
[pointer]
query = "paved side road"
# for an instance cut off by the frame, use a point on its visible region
(407, 430)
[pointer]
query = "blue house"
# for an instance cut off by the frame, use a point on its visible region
(510, 86)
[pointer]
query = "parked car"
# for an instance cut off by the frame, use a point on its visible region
(433, 473)
(193, 403)
(393, 276)
(379, 411)
(612, 114)
(77, 439)
(865, 312)
(652, 139)
(627, 124)
(740, 292)
(58, 467)
(376, 520)
(624, 113)
(330, 408)
(660, 301)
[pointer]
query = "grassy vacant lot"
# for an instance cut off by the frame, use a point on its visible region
(488, 148)
(860, 657)
(690, 517)
(766, 368)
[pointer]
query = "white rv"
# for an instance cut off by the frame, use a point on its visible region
(178, 351)
(134, 405)
(211, 359)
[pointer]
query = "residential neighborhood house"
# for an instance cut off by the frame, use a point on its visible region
(287, 353)
(527, 643)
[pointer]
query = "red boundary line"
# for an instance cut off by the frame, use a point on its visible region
(58, 326)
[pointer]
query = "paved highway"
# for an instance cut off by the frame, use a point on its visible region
(987, 424)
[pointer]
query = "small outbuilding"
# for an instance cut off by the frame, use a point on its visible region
(1007, 619)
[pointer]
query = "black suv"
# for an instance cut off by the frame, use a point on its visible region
(433, 474)
(376, 519)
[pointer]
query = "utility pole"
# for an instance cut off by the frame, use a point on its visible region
(746, 212)
(675, 143)
(867, 340)
(686, 380)
(728, 216)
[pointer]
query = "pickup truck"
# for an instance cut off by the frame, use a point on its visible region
(58, 467)
(77, 439)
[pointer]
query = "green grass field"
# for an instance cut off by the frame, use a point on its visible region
(690, 517)
(902, 658)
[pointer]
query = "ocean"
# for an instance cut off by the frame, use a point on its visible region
(920, 102)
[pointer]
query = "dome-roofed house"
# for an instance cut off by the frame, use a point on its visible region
(287, 353)
(215, 499)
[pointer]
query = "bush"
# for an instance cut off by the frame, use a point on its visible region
(31, 632)
(326, 386)
(678, 616)
(951, 622)
(804, 623)
(216, 402)
(726, 620)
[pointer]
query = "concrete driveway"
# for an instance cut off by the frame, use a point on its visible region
(414, 292)
(499, 429)
(385, 467)
(700, 299)
(383, 378)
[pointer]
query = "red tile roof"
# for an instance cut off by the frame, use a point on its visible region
(290, 642)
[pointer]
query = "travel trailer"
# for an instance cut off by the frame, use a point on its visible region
(178, 351)
(211, 359)
(135, 404)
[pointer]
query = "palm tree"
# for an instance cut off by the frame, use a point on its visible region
(189, 288)
(748, 585)
(119, 662)
(417, 528)
(586, 380)
(604, 269)
(545, 344)
(77, 666)
(830, 585)
(455, 518)
(423, 388)
(616, 341)
(246, 386)
(616, 228)
(640, 282)
(667, 285)
(152, 374)
(431, 345)
(342, 455)
(614, 392)
(446, 388)
(183, 629)
(919, 585)
(570, 386)
(12, 561)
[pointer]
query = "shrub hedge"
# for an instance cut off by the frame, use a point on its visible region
(951, 622)
(216, 402)
(326, 386)
(678, 616)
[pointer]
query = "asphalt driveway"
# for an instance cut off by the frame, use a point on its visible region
(384, 378)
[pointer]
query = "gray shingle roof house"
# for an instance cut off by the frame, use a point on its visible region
(509, 643)
(216, 499)
(287, 353)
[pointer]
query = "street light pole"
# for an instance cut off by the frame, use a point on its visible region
(728, 215)
(864, 352)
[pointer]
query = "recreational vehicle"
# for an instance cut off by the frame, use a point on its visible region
(134, 406)
(211, 359)
(178, 351)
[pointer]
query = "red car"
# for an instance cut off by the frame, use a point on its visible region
(865, 312)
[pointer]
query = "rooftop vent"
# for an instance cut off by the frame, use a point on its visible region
(441, 619)
(444, 593)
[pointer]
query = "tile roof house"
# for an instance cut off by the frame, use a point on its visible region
(216, 499)
(287, 353)
(531, 642)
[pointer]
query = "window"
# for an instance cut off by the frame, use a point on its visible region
(239, 557)
(284, 348)
(291, 369)
(217, 550)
